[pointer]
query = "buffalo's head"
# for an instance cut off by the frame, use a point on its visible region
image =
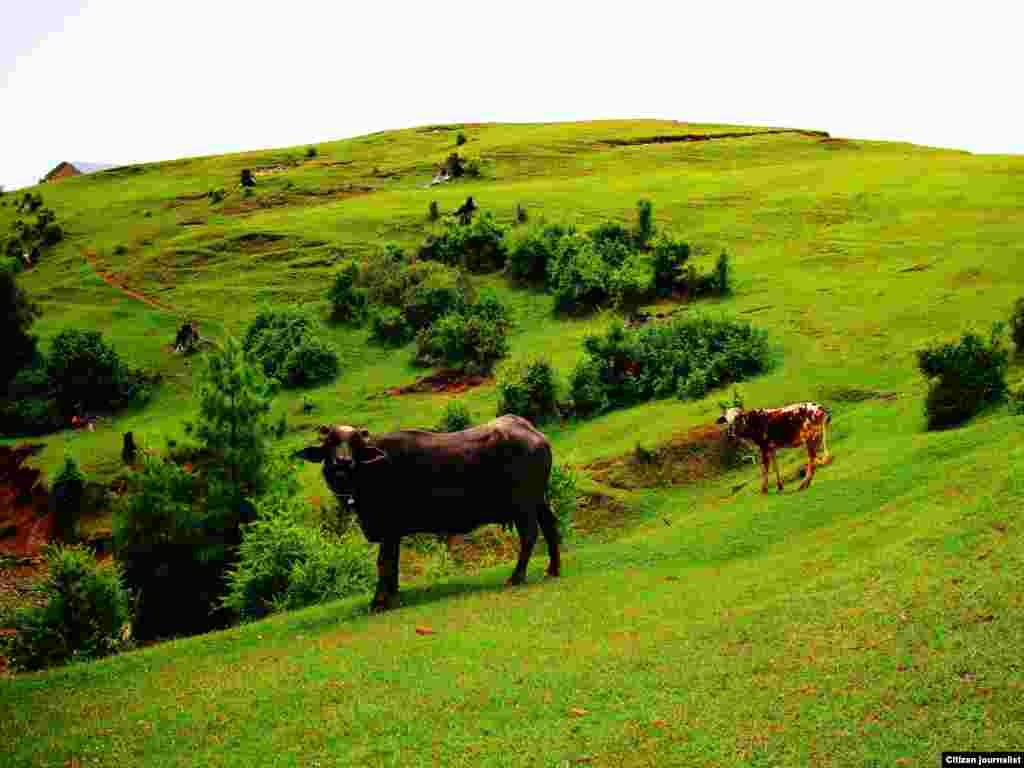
(341, 450)
(733, 418)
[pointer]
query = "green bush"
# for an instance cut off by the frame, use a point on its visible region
(348, 303)
(67, 490)
(434, 290)
(531, 250)
(577, 276)
(630, 284)
(460, 139)
(285, 564)
(521, 216)
(476, 247)
(19, 313)
(965, 376)
(529, 388)
(86, 614)
(723, 275)
(563, 495)
(688, 357)
(456, 417)
(311, 363)
(215, 196)
(473, 339)
(83, 369)
(644, 223)
(310, 152)
(1017, 325)
(389, 326)
(669, 257)
(283, 340)
(433, 214)
(612, 242)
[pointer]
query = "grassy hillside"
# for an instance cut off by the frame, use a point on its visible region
(875, 618)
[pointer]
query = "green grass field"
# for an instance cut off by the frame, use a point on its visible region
(875, 619)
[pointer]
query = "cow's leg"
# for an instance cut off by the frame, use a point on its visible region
(778, 475)
(527, 526)
(387, 576)
(766, 466)
(812, 449)
(549, 526)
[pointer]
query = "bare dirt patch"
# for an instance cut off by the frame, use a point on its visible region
(699, 454)
(26, 521)
(449, 381)
(598, 513)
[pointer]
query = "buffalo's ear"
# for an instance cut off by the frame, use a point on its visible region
(721, 420)
(316, 453)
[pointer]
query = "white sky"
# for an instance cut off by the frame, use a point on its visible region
(120, 81)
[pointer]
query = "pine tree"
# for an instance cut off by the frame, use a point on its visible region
(17, 313)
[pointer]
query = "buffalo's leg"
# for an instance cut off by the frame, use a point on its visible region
(549, 527)
(527, 538)
(387, 576)
(778, 474)
(812, 449)
(766, 467)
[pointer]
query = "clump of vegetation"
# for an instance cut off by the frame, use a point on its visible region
(529, 388)
(284, 341)
(521, 216)
(723, 275)
(476, 247)
(687, 357)
(472, 339)
(19, 313)
(644, 223)
(310, 153)
(965, 376)
(246, 179)
(583, 276)
(433, 214)
(460, 139)
(27, 242)
(668, 259)
(532, 249)
(434, 291)
(285, 564)
(68, 489)
(216, 195)
(563, 496)
(1017, 325)
(348, 303)
(389, 326)
(456, 417)
(86, 615)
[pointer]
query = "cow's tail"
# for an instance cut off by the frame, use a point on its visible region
(824, 433)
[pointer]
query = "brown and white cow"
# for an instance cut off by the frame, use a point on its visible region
(790, 427)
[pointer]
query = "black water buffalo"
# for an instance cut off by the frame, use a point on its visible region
(413, 481)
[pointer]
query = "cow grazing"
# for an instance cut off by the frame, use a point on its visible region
(413, 481)
(790, 427)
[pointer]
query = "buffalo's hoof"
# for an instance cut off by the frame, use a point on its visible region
(515, 580)
(553, 574)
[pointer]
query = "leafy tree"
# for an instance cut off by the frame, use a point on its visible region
(348, 303)
(18, 313)
(85, 371)
(670, 255)
(529, 388)
(644, 223)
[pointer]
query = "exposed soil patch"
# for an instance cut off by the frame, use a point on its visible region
(598, 513)
(117, 281)
(915, 268)
(25, 518)
(188, 198)
(671, 139)
(700, 453)
(450, 380)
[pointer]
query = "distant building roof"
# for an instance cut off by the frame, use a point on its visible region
(65, 169)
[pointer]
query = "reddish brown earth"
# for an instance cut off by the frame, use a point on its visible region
(449, 381)
(117, 281)
(24, 504)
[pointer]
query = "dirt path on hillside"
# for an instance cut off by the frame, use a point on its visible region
(110, 279)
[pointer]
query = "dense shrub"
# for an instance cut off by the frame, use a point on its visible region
(688, 357)
(521, 216)
(66, 498)
(563, 494)
(19, 313)
(629, 285)
(285, 564)
(644, 223)
(460, 139)
(433, 214)
(348, 303)
(389, 326)
(531, 250)
(312, 362)
(456, 417)
(283, 340)
(473, 339)
(723, 275)
(577, 276)
(84, 370)
(86, 614)
(310, 152)
(476, 247)
(965, 376)
(668, 258)
(1017, 325)
(529, 388)
(433, 290)
(612, 242)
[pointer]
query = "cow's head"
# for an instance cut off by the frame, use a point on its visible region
(732, 418)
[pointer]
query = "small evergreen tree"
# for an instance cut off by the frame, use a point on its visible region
(644, 223)
(66, 498)
(433, 214)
